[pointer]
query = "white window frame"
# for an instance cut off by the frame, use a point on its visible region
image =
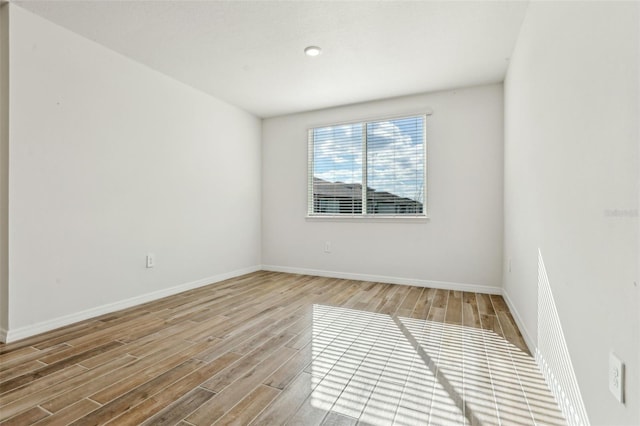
(367, 216)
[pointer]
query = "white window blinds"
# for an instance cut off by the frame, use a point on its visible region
(374, 168)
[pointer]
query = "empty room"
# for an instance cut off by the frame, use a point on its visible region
(319, 212)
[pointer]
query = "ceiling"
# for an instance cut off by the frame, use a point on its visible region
(250, 54)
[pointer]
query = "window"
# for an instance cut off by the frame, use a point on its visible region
(374, 168)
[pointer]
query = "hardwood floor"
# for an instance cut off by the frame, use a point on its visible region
(271, 348)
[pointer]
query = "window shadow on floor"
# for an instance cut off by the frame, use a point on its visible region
(377, 369)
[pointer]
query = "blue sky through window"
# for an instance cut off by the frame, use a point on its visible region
(338, 153)
(395, 155)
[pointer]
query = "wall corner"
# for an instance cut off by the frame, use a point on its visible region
(4, 169)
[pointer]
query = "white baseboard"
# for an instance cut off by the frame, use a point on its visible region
(445, 285)
(8, 336)
(531, 344)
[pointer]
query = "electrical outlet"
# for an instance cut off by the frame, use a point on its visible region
(327, 246)
(509, 265)
(151, 260)
(616, 377)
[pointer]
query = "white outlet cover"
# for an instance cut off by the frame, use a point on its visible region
(616, 377)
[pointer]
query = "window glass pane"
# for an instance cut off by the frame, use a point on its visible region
(395, 166)
(337, 169)
(394, 152)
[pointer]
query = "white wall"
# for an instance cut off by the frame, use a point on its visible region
(461, 243)
(110, 160)
(571, 186)
(4, 168)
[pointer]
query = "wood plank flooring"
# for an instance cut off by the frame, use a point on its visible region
(271, 348)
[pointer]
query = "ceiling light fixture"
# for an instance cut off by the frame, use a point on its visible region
(312, 51)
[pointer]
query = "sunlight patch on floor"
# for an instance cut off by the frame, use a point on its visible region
(385, 370)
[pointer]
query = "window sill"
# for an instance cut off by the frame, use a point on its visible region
(366, 218)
